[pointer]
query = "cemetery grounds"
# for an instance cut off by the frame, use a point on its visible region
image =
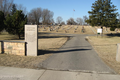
(105, 46)
(46, 42)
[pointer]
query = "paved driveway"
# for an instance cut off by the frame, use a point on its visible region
(76, 55)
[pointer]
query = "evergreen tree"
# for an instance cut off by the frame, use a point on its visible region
(15, 23)
(14, 9)
(103, 14)
(119, 21)
(2, 18)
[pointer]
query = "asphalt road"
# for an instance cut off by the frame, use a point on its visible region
(76, 55)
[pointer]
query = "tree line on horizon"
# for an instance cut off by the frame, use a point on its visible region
(72, 21)
(13, 17)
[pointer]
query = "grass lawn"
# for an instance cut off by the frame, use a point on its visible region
(106, 48)
(6, 36)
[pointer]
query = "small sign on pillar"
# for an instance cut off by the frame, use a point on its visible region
(31, 37)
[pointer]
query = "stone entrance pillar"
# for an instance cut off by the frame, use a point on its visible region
(118, 53)
(31, 37)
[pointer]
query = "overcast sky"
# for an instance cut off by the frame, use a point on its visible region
(64, 8)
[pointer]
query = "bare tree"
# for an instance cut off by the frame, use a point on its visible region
(52, 21)
(40, 15)
(71, 21)
(47, 16)
(79, 21)
(59, 19)
(21, 7)
(31, 19)
(5, 6)
(35, 15)
(84, 19)
(63, 23)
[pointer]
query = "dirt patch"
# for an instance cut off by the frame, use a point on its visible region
(106, 48)
(46, 42)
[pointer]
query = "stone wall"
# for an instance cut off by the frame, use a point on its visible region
(16, 48)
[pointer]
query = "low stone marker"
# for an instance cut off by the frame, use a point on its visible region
(118, 53)
(75, 31)
(31, 37)
(49, 29)
(65, 31)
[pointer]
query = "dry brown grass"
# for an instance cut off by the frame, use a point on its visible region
(106, 48)
(6, 36)
(52, 43)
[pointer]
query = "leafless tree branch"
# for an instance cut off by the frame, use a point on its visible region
(5, 6)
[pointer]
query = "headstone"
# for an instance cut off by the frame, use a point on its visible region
(31, 37)
(57, 30)
(39, 29)
(44, 30)
(49, 29)
(118, 53)
(74, 31)
(65, 31)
